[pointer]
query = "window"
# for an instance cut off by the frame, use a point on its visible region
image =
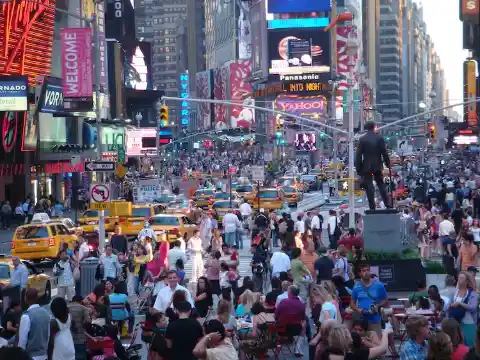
(204, 192)
(186, 220)
(141, 212)
(244, 188)
(164, 220)
(269, 194)
(32, 232)
(62, 230)
(4, 271)
(225, 205)
(68, 223)
(221, 195)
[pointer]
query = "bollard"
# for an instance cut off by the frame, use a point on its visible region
(88, 269)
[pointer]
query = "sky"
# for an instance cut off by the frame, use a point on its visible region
(445, 28)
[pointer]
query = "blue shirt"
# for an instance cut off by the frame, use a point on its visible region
(368, 296)
(411, 350)
(118, 299)
(19, 276)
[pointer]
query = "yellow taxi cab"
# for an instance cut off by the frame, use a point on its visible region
(245, 191)
(89, 221)
(69, 224)
(292, 195)
(37, 279)
(40, 239)
(202, 197)
(293, 181)
(169, 226)
(269, 198)
(132, 224)
(222, 207)
(219, 195)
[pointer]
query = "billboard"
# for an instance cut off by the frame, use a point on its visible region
(77, 80)
(27, 37)
(51, 96)
(240, 91)
(141, 142)
(204, 90)
(13, 93)
(470, 11)
(313, 107)
(470, 92)
(298, 6)
(30, 135)
(284, 58)
(220, 88)
(305, 141)
(258, 24)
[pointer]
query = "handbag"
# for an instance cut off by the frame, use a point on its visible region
(459, 312)
(76, 273)
(337, 232)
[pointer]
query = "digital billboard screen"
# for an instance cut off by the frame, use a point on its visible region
(298, 6)
(305, 142)
(289, 53)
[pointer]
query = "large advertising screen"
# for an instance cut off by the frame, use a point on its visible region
(141, 142)
(298, 51)
(470, 92)
(305, 142)
(297, 6)
(27, 38)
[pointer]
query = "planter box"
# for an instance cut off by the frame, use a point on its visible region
(436, 279)
(399, 275)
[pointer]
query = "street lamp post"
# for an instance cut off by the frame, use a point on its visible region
(333, 116)
(352, 49)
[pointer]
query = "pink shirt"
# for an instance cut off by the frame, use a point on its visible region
(213, 270)
(460, 352)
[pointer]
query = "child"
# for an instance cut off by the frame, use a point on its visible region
(180, 271)
(225, 285)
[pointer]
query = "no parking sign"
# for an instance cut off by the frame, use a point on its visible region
(99, 196)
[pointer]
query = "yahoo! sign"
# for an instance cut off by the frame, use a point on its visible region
(77, 62)
(305, 106)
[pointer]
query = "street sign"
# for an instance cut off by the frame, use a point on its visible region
(99, 206)
(121, 155)
(99, 166)
(258, 173)
(99, 193)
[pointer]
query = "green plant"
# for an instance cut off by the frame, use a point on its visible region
(433, 267)
(381, 255)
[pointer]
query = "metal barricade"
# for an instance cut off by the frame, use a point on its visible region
(88, 270)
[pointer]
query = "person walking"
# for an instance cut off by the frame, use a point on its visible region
(63, 270)
(80, 316)
(230, 226)
(195, 247)
(34, 329)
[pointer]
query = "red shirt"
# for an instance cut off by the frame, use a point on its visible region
(290, 311)
(234, 256)
(350, 241)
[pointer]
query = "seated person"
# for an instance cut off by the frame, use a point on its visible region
(112, 333)
(421, 292)
(255, 340)
(271, 297)
(245, 303)
(120, 308)
(370, 339)
(423, 307)
(11, 321)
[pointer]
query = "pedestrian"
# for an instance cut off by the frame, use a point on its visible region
(110, 264)
(34, 329)
(6, 214)
(230, 227)
(63, 269)
(60, 333)
(195, 248)
(334, 230)
(80, 316)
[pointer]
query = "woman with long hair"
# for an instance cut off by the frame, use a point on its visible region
(245, 303)
(466, 297)
(322, 298)
(203, 298)
(452, 329)
(439, 347)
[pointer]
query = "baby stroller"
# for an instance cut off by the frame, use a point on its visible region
(141, 302)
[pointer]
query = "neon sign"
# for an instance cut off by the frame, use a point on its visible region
(26, 39)
(185, 106)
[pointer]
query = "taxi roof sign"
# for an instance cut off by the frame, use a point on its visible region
(40, 218)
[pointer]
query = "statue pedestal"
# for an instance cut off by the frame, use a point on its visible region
(382, 231)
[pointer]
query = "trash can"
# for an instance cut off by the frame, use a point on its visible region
(88, 269)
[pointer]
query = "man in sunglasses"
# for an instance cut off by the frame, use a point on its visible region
(368, 296)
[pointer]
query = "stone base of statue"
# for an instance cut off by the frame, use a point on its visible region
(382, 231)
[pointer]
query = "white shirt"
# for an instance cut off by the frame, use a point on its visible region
(231, 223)
(245, 209)
(173, 255)
(445, 228)
(332, 222)
(281, 297)
(83, 250)
(147, 232)
(449, 196)
(195, 244)
(280, 262)
(111, 266)
(25, 329)
(165, 296)
(342, 263)
(300, 226)
(315, 223)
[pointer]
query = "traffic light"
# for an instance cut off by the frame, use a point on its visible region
(163, 116)
(432, 131)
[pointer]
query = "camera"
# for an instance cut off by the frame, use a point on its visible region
(370, 311)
